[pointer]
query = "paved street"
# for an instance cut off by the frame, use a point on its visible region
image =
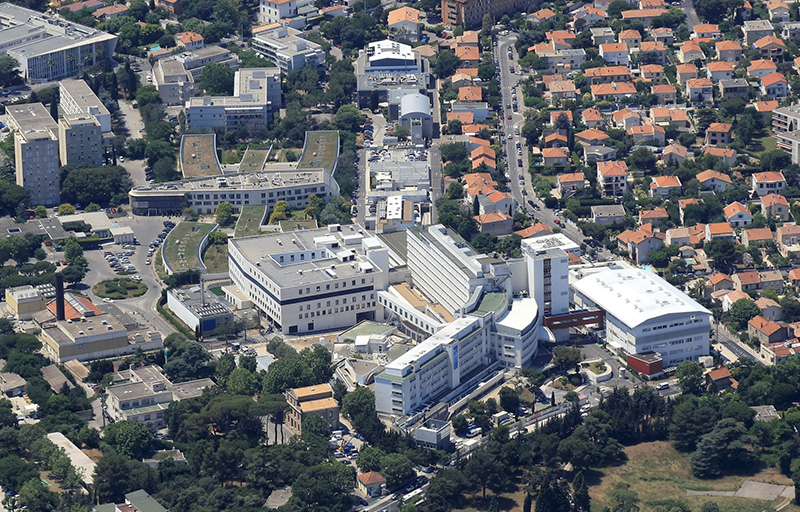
(687, 6)
(735, 346)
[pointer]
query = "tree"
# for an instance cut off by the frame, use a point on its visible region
(74, 273)
(129, 438)
(280, 212)
(485, 469)
(460, 425)
(567, 358)
(643, 159)
(359, 407)
(791, 309)
(348, 118)
(722, 251)
(325, 488)
(722, 448)
(445, 64)
(396, 468)
(14, 472)
(616, 7)
(690, 377)
(35, 496)
(509, 400)
(9, 71)
(742, 311)
(66, 209)
(116, 475)
(369, 459)
(40, 212)
(96, 186)
(72, 250)
(580, 494)
(217, 79)
(224, 213)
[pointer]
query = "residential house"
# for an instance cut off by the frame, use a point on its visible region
(729, 51)
(593, 154)
(683, 204)
(110, 12)
(190, 40)
(652, 73)
(731, 298)
(631, 38)
(685, 72)
(713, 180)
(664, 116)
(761, 68)
(592, 118)
(495, 223)
(721, 70)
(678, 236)
(764, 183)
(653, 51)
(615, 53)
(371, 483)
(555, 156)
(747, 281)
(719, 134)
(720, 379)
(718, 282)
(589, 15)
(591, 137)
(674, 152)
(775, 85)
(727, 155)
(613, 92)
(770, 309)
(790, 31)
(568, 184)
(555, 114)
(699, 89)
(541, 16)
(775, 205)
(540, 228)
(555, 140)
(645, 16)
(735, 88)
(560, 90)
(788, 239)
(469, 56)
(656, 216)
(767, 331)
(608, 214)
(310, 401)
(745, 11)
(662, 186)
(648, 133)
(607, 75)
(706, 32)
(665, 93)
(778, 11)
(663, 35)
(737, 215)
(613, 178)
(758, 236)
(601, 35)
(690, 51)
(770, 47)
(755, 30)
(719, 230)
(640, 243)
(626, 118)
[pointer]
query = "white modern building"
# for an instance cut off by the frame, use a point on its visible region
(286, 47)
(36, 152)
(75, 97)
(389, 56)
(446, 269)
(644, 313)
(415, 115)
(256, 97)
(311, 280)
(548, 281)
(80, 140)
(49, 47)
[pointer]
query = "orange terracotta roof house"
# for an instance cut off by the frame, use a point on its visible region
(612, 168)
(536, 229)
(408, 14)
(470, 93)
(592, 136)
(663, 185)
(464, 117)
(555, 114)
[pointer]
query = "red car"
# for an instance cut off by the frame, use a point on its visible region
(557, 222)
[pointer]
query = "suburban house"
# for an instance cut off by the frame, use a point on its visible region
(661, 186)
(699, 89)
(555, 156)
(615, 53)
(768, 182)
(788, 239)
(613, 91)
(775, 85)
(719, 230)
(690, 51)
(737, 215)
(568, 184)
(729, 51)
(685, 72)
(770, 47)
(775, 205)
(721, 70)
(608, 214)
(639, 243)
(713, 180)
(648, 133)
(613, 178)
(758, 236)
(761, 68)
(719, 134)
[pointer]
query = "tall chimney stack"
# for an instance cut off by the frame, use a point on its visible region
(59, 296)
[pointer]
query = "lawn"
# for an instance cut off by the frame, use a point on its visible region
(253, 160)
(321, 150)
(119, 288)
(768, 143)
(597, 367)
(199, 156)
(181, 245)
(216, 258)
(657, 472)
(249, 220)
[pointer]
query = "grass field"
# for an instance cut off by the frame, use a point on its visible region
(119, 288)
(657, 472)
(768, 143)
(198, 156)
(253, 160)
(183, 241)
(216, 258)
(249, 220)
(321, 151)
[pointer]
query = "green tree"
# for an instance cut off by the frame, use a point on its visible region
(66, 209)
(722, 449)
(35, 496)
(486, 469)
(9, 71)
(643, 159)
(129, 438)
(72, 250)
(359, 407)
(567, 358)
(722, 251)
(115, 475)
(509, 400)
(742, 311)
(460, 425)
(217, 79)
(324, 488)
(40, 212)
(348, 118)
(580, 494)
(396, 468)
(369, 459)
(445, 64)
(690, 377)
(224, 213)
(14, 472)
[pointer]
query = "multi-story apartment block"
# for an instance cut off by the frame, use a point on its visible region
(310, 401)
(613, 178)
(75, 97)
(286, 47)
(470, 13)
(36, 152)
(80, 140)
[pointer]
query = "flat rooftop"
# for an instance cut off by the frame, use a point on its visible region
(275, 176)
(31, 117)
(635, 296)
(320, 149)
(79, 459)
(202, 305)
(190, 389)
(367, 328)
(522, 313)
(490, 302)
(327, 255)
(85, 98)
(432, 345)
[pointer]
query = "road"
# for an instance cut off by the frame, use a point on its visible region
(437, 180)
(687, 6)
(726, 339)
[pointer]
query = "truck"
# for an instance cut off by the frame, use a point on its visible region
(500, 417)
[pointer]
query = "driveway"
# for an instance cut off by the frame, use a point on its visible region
(132, 119)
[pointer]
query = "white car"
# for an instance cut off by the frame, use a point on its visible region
(107, 300)
(147, 261)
